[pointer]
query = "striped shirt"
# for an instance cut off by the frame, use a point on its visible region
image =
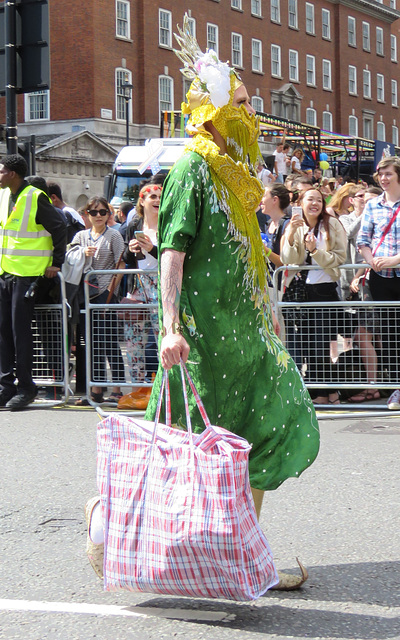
(110, 247)
(375, 218)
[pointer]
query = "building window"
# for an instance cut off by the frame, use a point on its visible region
(351, 29)
(366, 84)
(393, 48)
(353, 126)
(311, 117)
(380, 131)
(293, 65)
(310, 19)
(379, 41)
(165, 30)
(236, 4)
(275, 11)
(186, 86)
(192, 26)
(394, 93)
(395, 136)
(392, 4)
(327, 121)
(380, 87)
(122, 76)
(275, 60)
(256, 56)
(257, 103)
(212, 37)
(165, 93)
(292, 10)
(368, 127)
(352, 80)
(256, 8)
(310, 66)
(37, 105)
(327, 75)
(237, 58)
(123, 19)
(326, 24)
(366, 38)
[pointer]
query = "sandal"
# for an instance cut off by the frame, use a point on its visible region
(289, 582)
(84, 402)
(113, 398)
(367, 394)
(336, 398)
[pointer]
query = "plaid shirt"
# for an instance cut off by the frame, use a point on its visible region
(376, 217)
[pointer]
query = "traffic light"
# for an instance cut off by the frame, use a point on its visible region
(32, 46)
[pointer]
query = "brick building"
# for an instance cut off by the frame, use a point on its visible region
(333, 63)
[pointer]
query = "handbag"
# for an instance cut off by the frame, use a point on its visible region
(297, 289)
(135, 314)
(178, 513)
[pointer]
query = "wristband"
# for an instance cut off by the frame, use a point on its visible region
(268, 252)
(174, 329)
(314, 251)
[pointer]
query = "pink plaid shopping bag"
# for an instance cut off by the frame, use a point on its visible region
(179, 515)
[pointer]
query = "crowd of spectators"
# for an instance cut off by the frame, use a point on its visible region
(305, 219)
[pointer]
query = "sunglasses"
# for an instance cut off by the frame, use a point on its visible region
(95, 212)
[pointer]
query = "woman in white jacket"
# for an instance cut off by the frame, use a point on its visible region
(317, 238)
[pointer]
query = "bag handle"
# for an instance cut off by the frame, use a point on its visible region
(199, 403)
(113, 282)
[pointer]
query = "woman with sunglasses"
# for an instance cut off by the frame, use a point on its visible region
(103, 248)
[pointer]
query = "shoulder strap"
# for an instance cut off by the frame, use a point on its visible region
(384, 234)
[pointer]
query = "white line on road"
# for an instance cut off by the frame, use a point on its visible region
(68, 607)
(113, 610)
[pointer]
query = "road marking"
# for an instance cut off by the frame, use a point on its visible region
(113, 610)
(69, 607)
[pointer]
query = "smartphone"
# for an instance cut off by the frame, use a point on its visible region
(297, 212)
(139, 234)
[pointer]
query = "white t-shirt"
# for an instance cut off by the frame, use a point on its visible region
(265, 176)
(296, 162)
(75, 214)
(316, 276)
(149, 261)
(280, 159)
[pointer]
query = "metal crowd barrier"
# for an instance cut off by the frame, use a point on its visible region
(341, 346)
(50, 347)
(121, 341)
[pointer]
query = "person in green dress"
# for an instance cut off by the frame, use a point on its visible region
(214, 307)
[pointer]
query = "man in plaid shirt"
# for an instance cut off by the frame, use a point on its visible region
(379, 244)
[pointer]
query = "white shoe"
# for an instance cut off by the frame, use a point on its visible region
(394, 401)
(95, 552)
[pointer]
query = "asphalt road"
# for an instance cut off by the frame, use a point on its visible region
(341, 518)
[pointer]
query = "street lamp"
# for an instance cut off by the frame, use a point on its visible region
(127, 89)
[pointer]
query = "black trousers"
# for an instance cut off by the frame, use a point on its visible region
(388, 290)
(16, 342)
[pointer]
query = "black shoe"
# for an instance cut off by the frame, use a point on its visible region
(21, 400)
(6, 395)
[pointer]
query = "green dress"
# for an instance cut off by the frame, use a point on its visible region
(246, 387)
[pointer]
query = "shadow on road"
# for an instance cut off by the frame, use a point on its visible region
(342, 586)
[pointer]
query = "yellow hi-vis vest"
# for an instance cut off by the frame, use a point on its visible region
(26, 248)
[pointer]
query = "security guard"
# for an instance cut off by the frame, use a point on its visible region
(32, 244)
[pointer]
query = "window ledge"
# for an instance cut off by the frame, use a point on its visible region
(353, 46)
(294, 28)
(259, 73)
(279, 23)
(236, 9)
(325, 89)
(123, 39)
(165, 46)
(257, 15)
(309, 33)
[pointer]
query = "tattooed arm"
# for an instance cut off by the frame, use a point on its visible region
(173, 346)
